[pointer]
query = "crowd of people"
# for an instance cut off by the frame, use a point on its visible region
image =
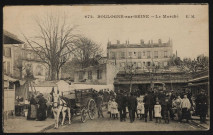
(160, 105)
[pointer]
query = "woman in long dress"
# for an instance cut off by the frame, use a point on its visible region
(42, 108)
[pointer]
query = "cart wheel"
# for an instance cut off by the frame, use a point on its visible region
(83, 115)
(91, 109)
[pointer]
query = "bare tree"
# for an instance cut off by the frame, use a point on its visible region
(130, 71)
(54, 42)
(19, 66)
(87, 51)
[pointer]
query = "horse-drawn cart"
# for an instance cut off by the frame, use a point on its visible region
(82, 102)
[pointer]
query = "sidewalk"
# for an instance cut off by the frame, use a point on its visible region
(196, 119)
(22, 125)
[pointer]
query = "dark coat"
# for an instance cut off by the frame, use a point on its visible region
(149, 100)
(201, 104)
(41, 115)
(99, 101)
(132, 103)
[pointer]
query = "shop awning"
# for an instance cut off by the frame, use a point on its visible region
(198, 84)
(7, 78)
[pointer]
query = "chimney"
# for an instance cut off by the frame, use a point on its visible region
(151, 41)
(159, 41)
(176, 53)
(118, 42)
(142, 42)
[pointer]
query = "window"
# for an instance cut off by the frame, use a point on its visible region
(81, 75)
(7, 52)
(8, 67)
(148, 64)
(130, 54)
(165, 54)
(135, 53)
(99, 74)
(122, 55)
(139, 55)
(156, 54)
(139, 65)
(144, 53)
(148, 54)
(90, 75)
(4, 67)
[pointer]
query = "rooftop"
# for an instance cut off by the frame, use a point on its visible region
(10, 38)
(139, 45)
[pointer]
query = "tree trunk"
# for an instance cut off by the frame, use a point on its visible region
(57, 74)
(20, 76)
(53, 73)
(130, 87)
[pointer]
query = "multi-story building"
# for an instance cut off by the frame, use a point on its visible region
(101, 74)
(11, 54)
(142, 55)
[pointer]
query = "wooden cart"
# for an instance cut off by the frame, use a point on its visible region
(82, 102)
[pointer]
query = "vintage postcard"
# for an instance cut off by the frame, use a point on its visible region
(106, 68)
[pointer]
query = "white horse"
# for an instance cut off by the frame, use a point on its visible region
(59, 105)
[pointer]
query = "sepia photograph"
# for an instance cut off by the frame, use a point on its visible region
(105, 68)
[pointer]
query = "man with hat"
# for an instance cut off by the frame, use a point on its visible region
(99, 104)
(149, 105)
(202, 108)
(132, 107)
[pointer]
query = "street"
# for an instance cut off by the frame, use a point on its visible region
(110, 125)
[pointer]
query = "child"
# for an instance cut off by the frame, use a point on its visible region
(109, 107)
(114, 109)
(140, 109)
(157, 110)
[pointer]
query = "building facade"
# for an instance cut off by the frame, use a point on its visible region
(11, 54)
(98, 77)
(142, 55)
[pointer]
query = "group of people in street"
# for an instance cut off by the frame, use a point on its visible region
(37, 109)
(161, 105)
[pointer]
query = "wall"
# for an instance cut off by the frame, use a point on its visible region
(111, 73)
(94, 79)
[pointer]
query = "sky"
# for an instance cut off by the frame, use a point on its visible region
(189, 35)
